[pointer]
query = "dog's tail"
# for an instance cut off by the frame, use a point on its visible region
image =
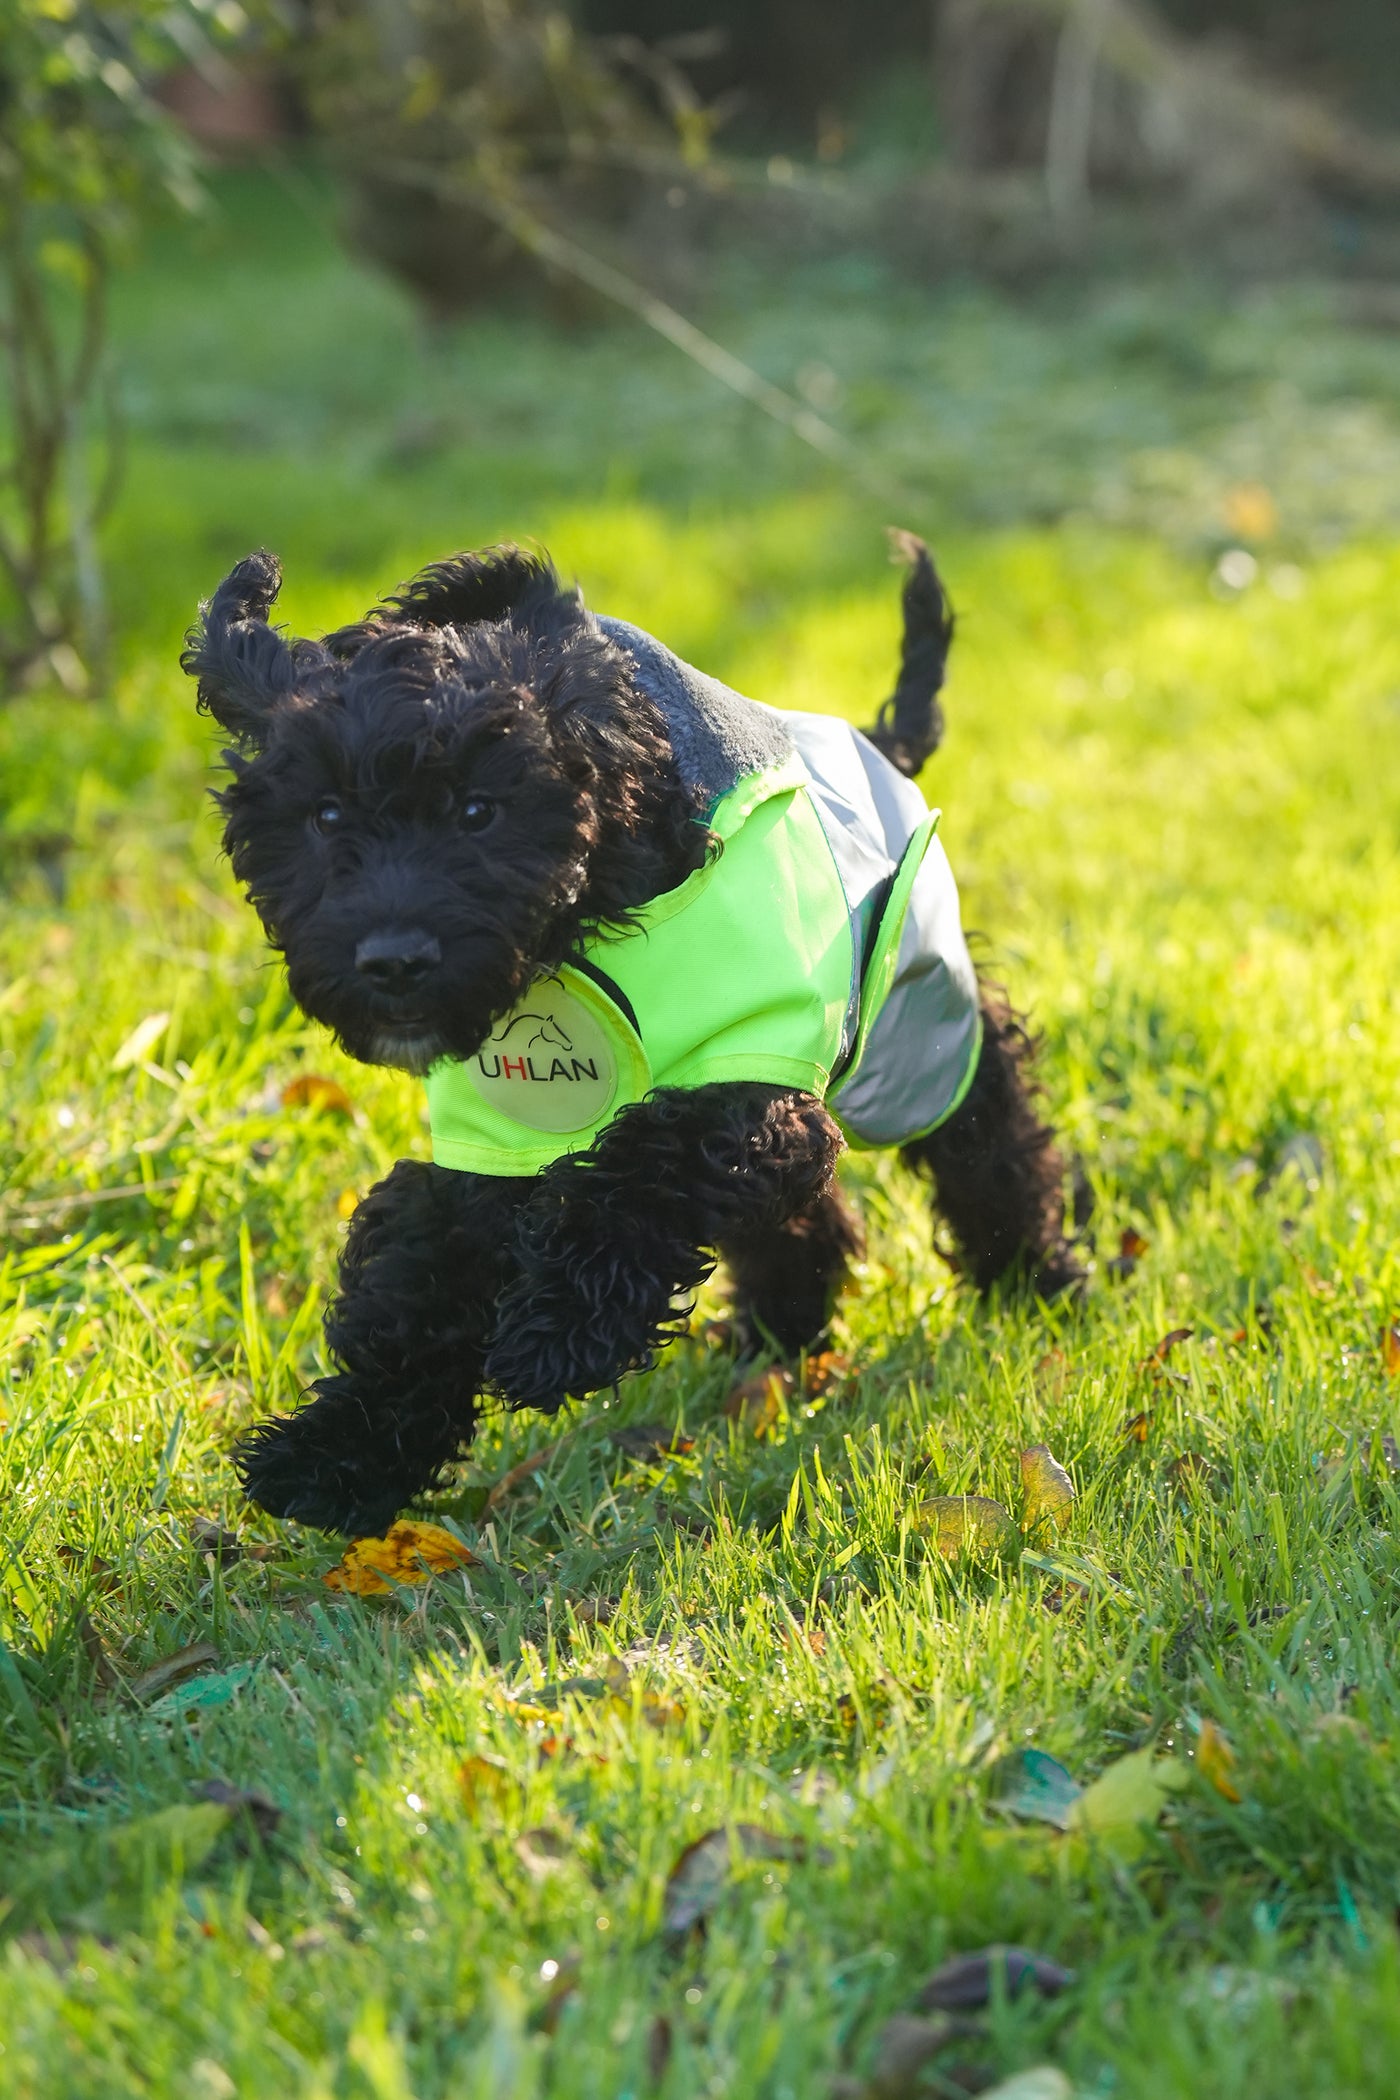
(909, 727)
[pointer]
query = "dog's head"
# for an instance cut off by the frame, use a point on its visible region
(432, 806)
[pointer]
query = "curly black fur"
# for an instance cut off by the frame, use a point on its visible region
(428, 809)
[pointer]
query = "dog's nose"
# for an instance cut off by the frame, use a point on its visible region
(397, 960)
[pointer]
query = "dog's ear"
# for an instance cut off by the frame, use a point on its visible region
(245, 668)
(468, 588)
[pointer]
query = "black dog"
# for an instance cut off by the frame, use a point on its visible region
(460, 801)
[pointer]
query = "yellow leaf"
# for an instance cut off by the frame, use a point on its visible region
(965, 1524)
(346, 1205)
(141, 1042)
(1390, 1347)
(482, 1779)
(322, 1096)
(757, 1404)
(1125, 1801)
(1215, 1760)
(408, 1552)
(1049, 1491)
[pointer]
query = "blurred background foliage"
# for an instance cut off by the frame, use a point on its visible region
(680, 162)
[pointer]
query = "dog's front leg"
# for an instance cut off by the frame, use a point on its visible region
(612, 1237)
(427, 1253)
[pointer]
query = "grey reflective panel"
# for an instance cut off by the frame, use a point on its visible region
(924, 1043)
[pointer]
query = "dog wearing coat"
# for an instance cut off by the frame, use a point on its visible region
(659, 952)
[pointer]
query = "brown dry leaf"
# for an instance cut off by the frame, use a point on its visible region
(1049, 1491)
(593, 1611)
(210, 1538)
(1316, 1286)
(961, 1524)
(483, 1780)
(1190, 1469)
(408, 1552)
(650, 1440)
(965, 1983)
(822, 1371)
(658, 2050)
(1169, 1342)
(541, 1851)
(1134, 1430)
(325, 1097)
(183, 1663)
(701, 1875)
(259, 1814)
(905, 2044)
(1131, 1248)
(1215, 1760)
(757, 1403)
(1390, 1347)
(99, 1661)
(658, 1708)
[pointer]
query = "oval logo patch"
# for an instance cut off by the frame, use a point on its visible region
(549, 1063)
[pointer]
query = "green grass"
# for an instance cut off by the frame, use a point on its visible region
(1173, 806)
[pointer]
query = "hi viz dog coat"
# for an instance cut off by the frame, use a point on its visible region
(820, 948)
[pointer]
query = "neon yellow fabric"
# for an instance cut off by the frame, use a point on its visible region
(742, 972)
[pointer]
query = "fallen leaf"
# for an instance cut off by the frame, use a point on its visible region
(408, 1552)
(757, 1404)
(141, 1042)
(483, 1779)
(1170, 1341)
(593, 1611)
(99, 1661)
(1134, 1430)
(1390, 1347)
(1041, 2082)
(1215, 1760)
(323, 1097)
(962, 1524)
(260, 1813)
(1049, 1491)
(822, 1371)
(966, 1982)
(197, 1693)
(658, 2050)
(346, 1205)
(1052, 1372)
(701, 1875)
(905, 2044)
(1131, 1248)
(1316, 1286)
(685, 1520)
(658, 1708)
(649, 1440)
(181, 1664)
(541, 1852)
(1190, 1469)
(1042, 1790)
(211, 1539)
(1119, 1808)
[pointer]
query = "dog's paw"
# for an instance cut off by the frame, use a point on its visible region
(297, 1479)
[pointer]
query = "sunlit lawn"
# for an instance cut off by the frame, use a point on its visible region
(1173, 807)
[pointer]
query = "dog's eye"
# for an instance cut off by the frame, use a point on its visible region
(476, 812)
(326, 815)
